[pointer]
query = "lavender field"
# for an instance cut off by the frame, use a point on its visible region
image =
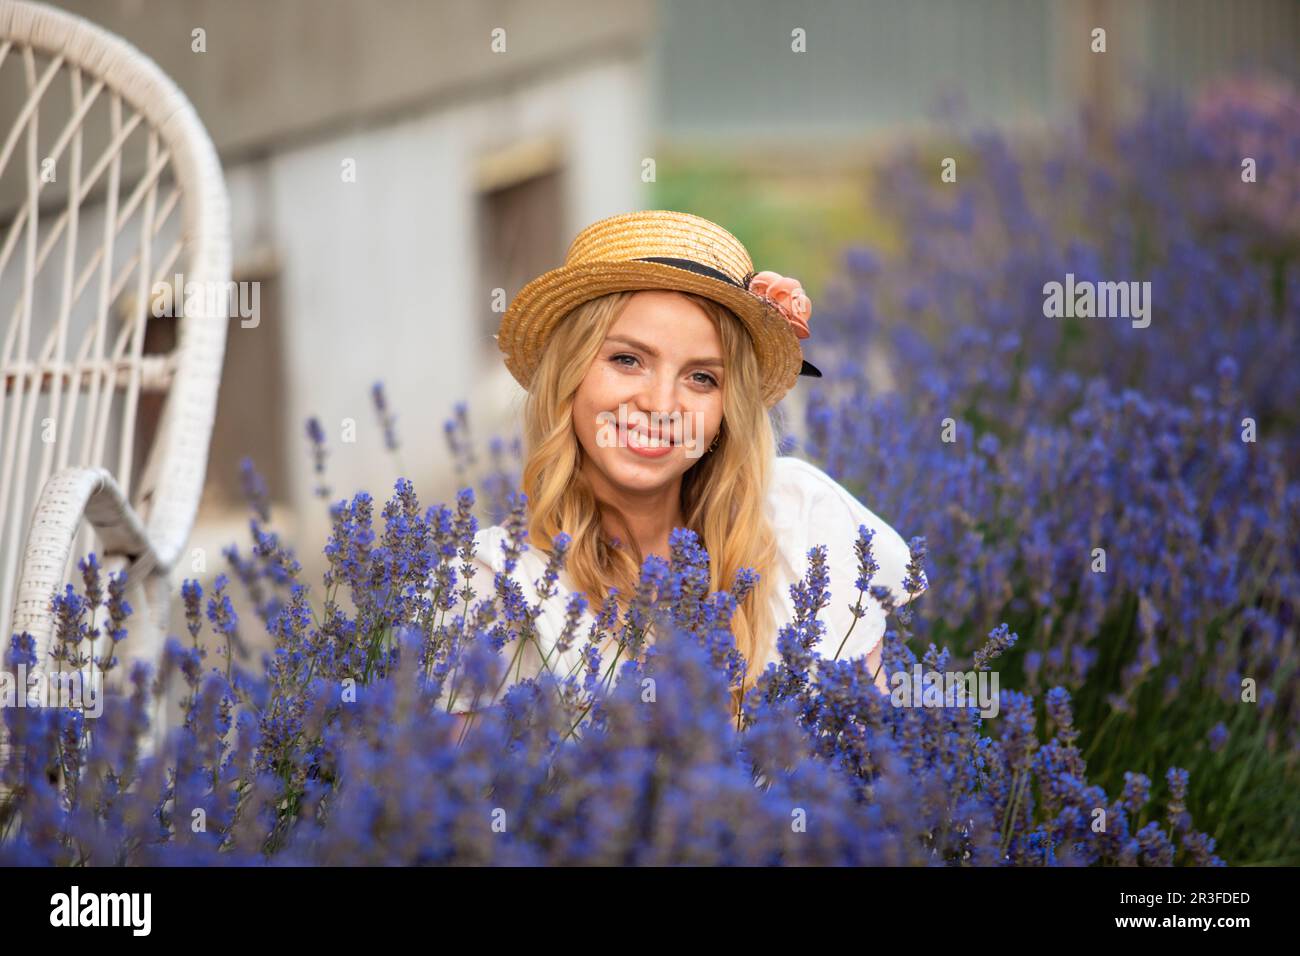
(1107, 514)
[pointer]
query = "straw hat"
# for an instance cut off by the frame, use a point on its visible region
(654, 249)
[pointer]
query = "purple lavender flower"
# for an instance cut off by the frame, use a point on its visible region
(386, 417)
(192, 595)
(316, 435)
(1218, 736)
(254, 486)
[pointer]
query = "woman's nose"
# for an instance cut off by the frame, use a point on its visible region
(658, 394)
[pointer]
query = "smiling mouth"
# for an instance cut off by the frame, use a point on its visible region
(638, 440)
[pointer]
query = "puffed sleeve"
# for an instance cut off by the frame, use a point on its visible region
(827, 513)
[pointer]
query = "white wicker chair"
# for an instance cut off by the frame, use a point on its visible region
(79, 257)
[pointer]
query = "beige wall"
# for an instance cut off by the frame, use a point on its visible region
(285, 69)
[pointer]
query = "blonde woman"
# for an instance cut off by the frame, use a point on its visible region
(652, 359)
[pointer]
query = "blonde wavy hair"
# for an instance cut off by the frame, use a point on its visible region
(722, 493)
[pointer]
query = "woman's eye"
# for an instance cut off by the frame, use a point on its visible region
(629, 361)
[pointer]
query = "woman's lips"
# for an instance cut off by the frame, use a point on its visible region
(634, 445)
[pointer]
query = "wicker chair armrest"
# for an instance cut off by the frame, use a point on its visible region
(67, 498)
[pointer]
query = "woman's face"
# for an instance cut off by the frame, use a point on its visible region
(658, 374)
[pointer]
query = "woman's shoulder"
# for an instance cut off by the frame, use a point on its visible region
(791, 472)
(802, 484)
(528, 575)
(809, 507)
(490, 545)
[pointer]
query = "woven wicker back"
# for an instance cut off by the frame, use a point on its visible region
(108, 185)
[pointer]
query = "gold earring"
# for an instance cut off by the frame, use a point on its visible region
(715, 441)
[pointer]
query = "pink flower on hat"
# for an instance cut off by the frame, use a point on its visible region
(788, 296)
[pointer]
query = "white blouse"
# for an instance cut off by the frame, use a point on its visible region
(806, 507)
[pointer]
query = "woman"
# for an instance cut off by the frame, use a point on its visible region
(652, 358)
